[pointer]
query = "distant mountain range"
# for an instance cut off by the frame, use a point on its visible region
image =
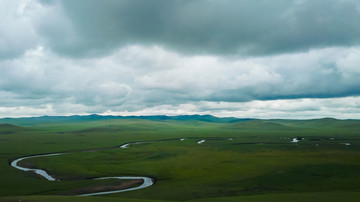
(94, 117)
(33, 121)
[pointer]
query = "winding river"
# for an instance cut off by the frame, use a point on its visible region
(37, 171)
(146, 180)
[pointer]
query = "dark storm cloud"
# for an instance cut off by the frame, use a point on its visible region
(204, 26)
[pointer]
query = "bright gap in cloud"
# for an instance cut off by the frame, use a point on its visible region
(341, 108)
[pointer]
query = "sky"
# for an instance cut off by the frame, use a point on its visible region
(291, 59)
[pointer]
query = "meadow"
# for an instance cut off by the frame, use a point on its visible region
(240, 160)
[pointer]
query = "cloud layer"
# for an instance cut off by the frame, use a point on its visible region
(264, 59)
(203, 27)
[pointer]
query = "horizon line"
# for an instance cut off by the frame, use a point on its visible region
(167, 115)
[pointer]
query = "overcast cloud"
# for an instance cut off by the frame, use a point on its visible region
(241, 58)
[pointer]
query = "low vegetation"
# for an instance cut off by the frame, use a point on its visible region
(241, 160)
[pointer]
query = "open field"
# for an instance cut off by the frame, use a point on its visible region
(259, 164)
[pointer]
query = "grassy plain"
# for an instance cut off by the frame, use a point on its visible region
(260, 164)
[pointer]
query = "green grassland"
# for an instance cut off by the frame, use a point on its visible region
(260, 164)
